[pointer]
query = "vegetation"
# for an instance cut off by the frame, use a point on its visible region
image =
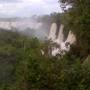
(23, 67)
(77, 19)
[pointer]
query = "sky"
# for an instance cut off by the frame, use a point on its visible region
(26, 8)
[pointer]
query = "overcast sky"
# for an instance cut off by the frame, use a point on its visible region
(24, 8)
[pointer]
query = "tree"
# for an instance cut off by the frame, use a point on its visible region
(77, 18)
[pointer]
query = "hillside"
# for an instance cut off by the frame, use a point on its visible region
(23, 67)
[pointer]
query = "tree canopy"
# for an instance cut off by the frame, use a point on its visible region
(77, 19)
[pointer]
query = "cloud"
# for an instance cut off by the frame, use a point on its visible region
(7, 1)
(51, 1)
(28, 7)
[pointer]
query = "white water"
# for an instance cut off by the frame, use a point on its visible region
(20, 24)
(60, 37)
(71, 38)
(52, 34)
(64, 45)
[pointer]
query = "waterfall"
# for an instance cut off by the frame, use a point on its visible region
(71, 38)
(52, 34)
(60, 37)
(64, 46)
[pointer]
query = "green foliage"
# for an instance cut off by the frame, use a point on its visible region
(23, 67)
(77, 19)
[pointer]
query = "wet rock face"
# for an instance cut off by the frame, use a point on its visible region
(67, 44)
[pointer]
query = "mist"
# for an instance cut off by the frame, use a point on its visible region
(27, 26)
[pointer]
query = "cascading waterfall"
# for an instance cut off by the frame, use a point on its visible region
(59, 40)
(64, 46)
(71, 38)
(60, 37)
(52, 34)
